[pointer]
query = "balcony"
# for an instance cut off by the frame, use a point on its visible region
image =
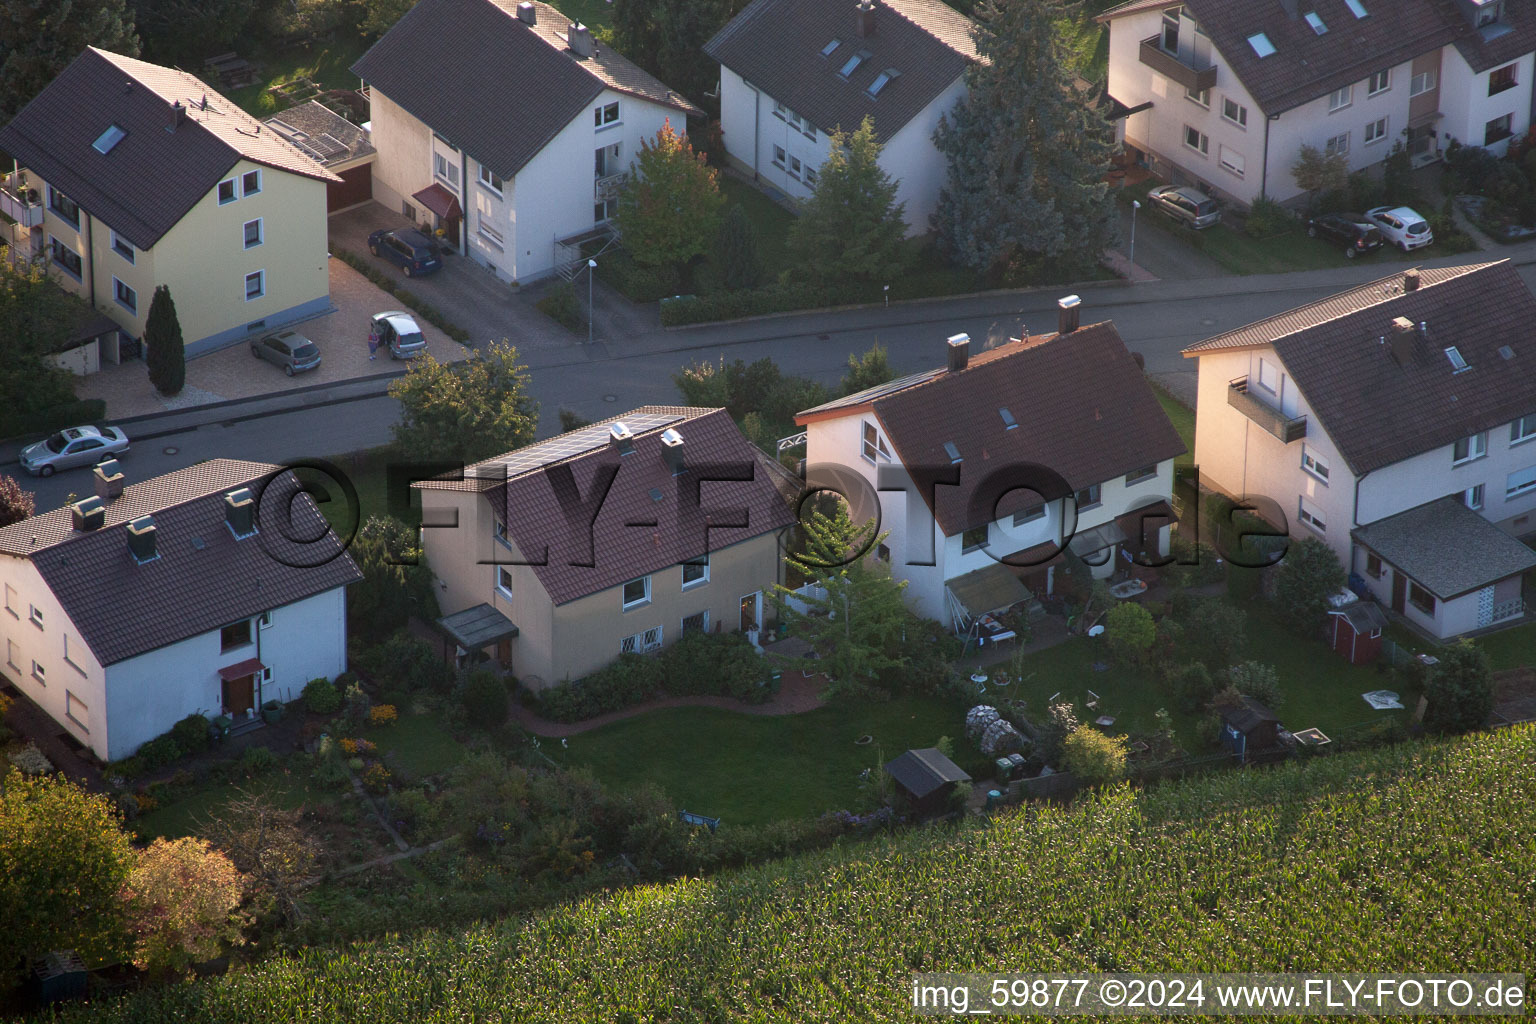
(1195, 79)
(606, 189)
(21, 204)
(1286, 428)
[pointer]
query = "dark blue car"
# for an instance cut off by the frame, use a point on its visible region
(412, 251)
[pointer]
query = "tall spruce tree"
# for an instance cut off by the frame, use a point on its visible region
(167, 355)
(851, 226)
(38, 38)
(1028, 158)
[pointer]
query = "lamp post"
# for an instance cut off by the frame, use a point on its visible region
(887, 295)
(1135, 205)
(591, 273)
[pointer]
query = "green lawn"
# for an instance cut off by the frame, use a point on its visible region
(754, 769)
(1510, 648)
(327, 65)
(367, 470)
(1183, 418)
(419, 742)
(183, 815)
(770, 219)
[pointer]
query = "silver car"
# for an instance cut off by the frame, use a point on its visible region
(73, 446)
(290, 350)
(397, 331)
(1188, 206)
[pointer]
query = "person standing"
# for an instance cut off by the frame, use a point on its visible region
(373, 343)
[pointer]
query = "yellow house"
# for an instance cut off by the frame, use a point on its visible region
(129, 176)
(620, 536)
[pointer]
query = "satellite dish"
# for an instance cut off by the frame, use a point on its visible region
(1096, 631)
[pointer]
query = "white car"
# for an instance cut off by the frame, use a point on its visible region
(1402, 226)
(73, 446)
(397, 332)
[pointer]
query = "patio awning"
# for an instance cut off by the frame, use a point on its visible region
(988, 590)
(440, 201)
(241, 669)
(1105, 535)
(478, 627)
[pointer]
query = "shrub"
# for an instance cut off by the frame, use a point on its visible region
(409, 661)
(638, 283)
(1214, 630)
(1060, 722)
(715, 663)
(484, 699)
(356, 707)
(1460, 690)
(1267, 218)
(257, 761)
(182, 897)
(321, 697)
(1130, 632)
(1195, 563)
(1092, 757)
(561, 305)
(1308, 576)
(382, 714)
(376, 778)
(30, 760)
(159, 752)
(1259, 681)
(1192, 686)
(627, 680)
(191, 734)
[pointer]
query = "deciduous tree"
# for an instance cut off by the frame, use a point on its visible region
(396, 582)
(37, 317)
(15, 503)
(868, 370)
(851, 227)
(670, 206)
(167, 356)
(182, 897)
(467, 411)
(1319, 173)
(1460, 690)
(667, 37)
(38, 39)
(269, 845)
(1092, 757)
(1308, 576)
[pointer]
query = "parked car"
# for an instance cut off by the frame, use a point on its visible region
(1188, 206)
(1351, 230)
(290, 350)
(73, 446)
(1401, 226)
(398, 332)
(412, 251)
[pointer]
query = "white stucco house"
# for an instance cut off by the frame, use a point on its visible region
(509, 127)
(1224, 93)
(794, 71)
(1395, 422)
(984, 472)
(180, 595)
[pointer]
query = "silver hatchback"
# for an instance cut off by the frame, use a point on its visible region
(1188, 206)
(290, 350)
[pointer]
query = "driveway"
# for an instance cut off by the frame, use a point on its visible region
(1162, 253)
(230, 373)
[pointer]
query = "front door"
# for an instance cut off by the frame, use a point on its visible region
(239, 695)
(751, 613)
(504, 652)
(1399, 591)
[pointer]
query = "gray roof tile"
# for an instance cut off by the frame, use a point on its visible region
(1448, 548)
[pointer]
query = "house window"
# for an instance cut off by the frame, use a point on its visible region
(1261, 45)
(1232, 160)
(1234, 112)
(1472, 497)
(1520, 482)
(1340, 98)
(10, 654)
(1311, 515)
(605, 115)
(696, 623)
(1421, 83)
(794, 167)
(975, 537)
(408, 211)
(1469, 448)
(779, 156)
(1337, 145)
(1197, 140)
(695, 571)
(108, 139)
(72, 654)
(445, 169)
(76, 711)
(1029, 515)
(1315, 23)
(125, 296)
(252, 233)
(637, 592)
(810, 176)
(489, 233)
(1373, 567)
(10, 601)
(1381, 81)
(1171, 31)
(39, 673)
(852, 64)
(255, 285)
(250, 183)
(1376, 130)
(489, 180)
(830, 48)
(1200, 97)
(227, 191)
(874, 445)
(500, 530)
(1087, 498)
(65, 258)
(1420, 598)
(121, 246)
(809, 130)
(1501, 79)
(1136, 476)
(36, 615)
(1269, 376)
(504, 580)
(63, 206)
(1523, 429)
(641, 642)
(780, 111)
(1499, 129)
(1314, 463)
(236, 634)
(1355, 7)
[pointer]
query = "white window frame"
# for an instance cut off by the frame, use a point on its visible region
(1202, 145)
(810, 176)
(499, 531)
(794, 166)
(261, 285)
(1521, 481)
(485, 231)
(71, 702)
(1313, 464)
(1522, 429)
(1341, 98)
(1231, 160)
(503, 588)
(124, 248)
(1311, 515)
(1423, 82)
(35, 616)
(601, 119)
(1337, 144)
(261, 233)
(1241, 120)
(1472, 497)
(780, 157)
(872, 441)
(688, 584)
(234, 191)
(490, 180)
(445, 170)
(1384, 76)
(39, 672)
(119, 286)
(1200, 98)
(625, 604)
(1381, 124)
(703, 616)
(1095, 495)
(1477, 447)
(245, 181)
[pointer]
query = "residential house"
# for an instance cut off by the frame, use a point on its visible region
(794, 71)
(986, 471)
(334, 143)
(620, 536)
(142, 176)
(184, 594)
(1226, 92)
(509, 128)
(1394, 422)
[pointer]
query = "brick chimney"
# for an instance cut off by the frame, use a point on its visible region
(959, 346)
(1411, 280)
(1401, 340)
(672, 450)
(108, 479)
(865, 14)
(89, 514)
(1067, 312)
(240, 512)
(141, 539)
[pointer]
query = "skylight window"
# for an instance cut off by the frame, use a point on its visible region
(1458, 364)
(1506, 352)
(1261, 44)
(882, 80)
(1009, 423)
(853, 63)
(107, 139)
(952, 452)
(1355, 7)
(1316, 22)
(830, 48)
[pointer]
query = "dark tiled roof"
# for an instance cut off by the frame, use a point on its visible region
(1379, 412)
(1083, 408)
(123, 608)
(145, 184)
(1448, 548)
(494, 86)
(1511, 39)
(322, 134)
(921, 772)
(776, 45)
(1246, 714)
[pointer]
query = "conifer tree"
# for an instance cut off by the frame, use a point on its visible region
(167, 354)
(852, 225)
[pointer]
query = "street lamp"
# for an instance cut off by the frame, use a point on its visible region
(592, 272)
(887, 295)
(1135, 205)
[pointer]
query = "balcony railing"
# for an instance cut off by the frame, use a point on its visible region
(606, 189)
(1286, 428)
(1195, 79)
(23, 205)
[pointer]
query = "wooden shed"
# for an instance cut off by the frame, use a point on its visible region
(1249, 729)
(925, 779)
(1355, 631)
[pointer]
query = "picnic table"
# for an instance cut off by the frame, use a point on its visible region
(233, 70)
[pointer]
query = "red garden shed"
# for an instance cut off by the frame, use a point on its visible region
(1356, 629)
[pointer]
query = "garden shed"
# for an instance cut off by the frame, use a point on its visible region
(1249, 728)
(1356, 630)
(926, 778)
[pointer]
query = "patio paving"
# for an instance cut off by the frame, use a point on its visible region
(233, 373)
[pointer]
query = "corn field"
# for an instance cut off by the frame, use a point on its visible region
(1419, 857)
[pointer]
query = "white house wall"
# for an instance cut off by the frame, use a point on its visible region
(1428, 475)
(911, 157)
(1311, 124)
(1468, 108)
(403, 164)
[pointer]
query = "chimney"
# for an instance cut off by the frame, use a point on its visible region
(1067, 314)
(141, 539)
(109, 480)
(527, 13)
(178, 116)
(579, 38)
(1402, 340)
(1290, 8)
(672, 450)
(240, 512)
(959, 351)
(1411, 281)
(865, 24)
(621, 438)
(89, 514)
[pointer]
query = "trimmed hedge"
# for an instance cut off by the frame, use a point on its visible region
(426, 311)
(55, 417)
(698, 664)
